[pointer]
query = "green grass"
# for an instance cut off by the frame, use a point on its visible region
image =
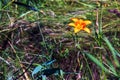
(42, 41)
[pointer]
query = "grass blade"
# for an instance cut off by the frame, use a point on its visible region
(114, 52)
(96, 61)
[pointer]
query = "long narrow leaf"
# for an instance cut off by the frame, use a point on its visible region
(113, 51)
(96, 61)
(36, 70)
(48, 62)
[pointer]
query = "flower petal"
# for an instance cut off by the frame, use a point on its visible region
(75, 19)
(87, 22)
(72, 24)
(80, 24)
(76, 30)
(86, 29)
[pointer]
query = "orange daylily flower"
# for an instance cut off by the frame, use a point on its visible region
(80, 24)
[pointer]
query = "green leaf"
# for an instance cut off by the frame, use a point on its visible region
(48, 62)
(43, 77)
(87, 5)
(62, 73)
(113, 51)
(25, 14)
(96, 61)
(36, 70)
